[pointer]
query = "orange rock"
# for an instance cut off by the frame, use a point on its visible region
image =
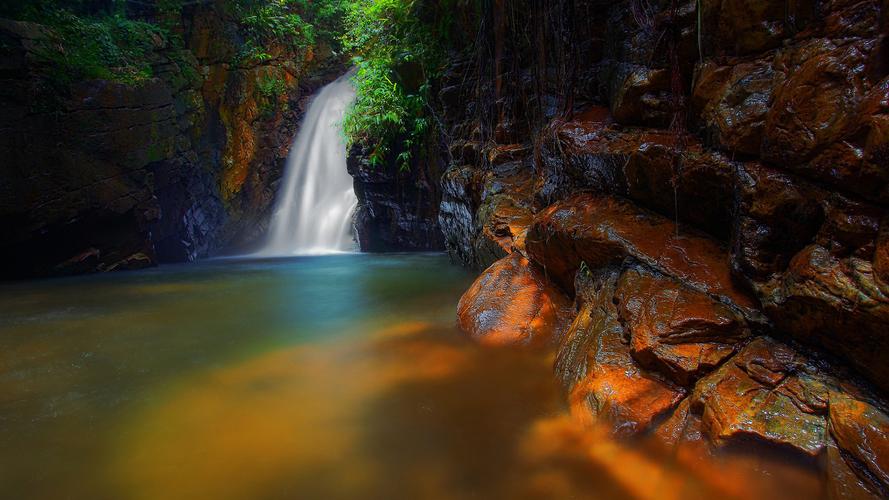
(842, 481)
(505, 212)
(768, 392)
(601, 230)
(862, 432)
(513, 303)
(605, 382)
(835, 304)
(682, 333)
(681, 426)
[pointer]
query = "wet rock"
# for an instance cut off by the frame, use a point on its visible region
(461, 196)
(766, 392)
(599, 231)
(397, 208)
(663, 180)
(584, 153)
(677, 331)
(739, 27)
(734, 115)
(850, 228)
(485, 214)
(505, 212)
(513, 303)
(777, 217)
(594, 360)
(682, 426)
(861, 432)
(641, 96)
(816, 106)
(842, 481)
(834, 304)
(881, 257)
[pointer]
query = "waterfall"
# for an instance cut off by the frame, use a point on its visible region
(314, 206)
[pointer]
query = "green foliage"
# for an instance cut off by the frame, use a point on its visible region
(109, 47)
(269, 89)
(271, 22)
(399, 46)
(271, 86)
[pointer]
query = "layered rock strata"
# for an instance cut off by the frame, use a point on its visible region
(711, 194)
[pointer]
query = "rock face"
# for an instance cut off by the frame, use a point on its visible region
(710, 189)
(397, 209)
(102, 176)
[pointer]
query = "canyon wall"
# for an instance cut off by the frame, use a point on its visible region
(397, 208)
(708, 182)
(102, 175)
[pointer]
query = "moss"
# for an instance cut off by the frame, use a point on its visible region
(110, 48)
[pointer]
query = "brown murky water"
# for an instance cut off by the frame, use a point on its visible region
(308, 378)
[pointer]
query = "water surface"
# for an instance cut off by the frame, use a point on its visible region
(310, 378)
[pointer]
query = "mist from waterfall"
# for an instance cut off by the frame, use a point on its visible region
(315, 202)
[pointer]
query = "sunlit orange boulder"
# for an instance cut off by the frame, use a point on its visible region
(768, 392)
(677, 331)
(861, 432)
(513, 303)
(595, 363)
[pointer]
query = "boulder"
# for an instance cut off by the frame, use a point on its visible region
(734, 115)
(816, 106)
(513, 303)
(680, 332)
(766, 392)
(777, 216)
(861, 431)
(594, 361)
(836, 305)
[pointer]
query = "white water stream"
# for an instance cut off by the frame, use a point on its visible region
(314, 205)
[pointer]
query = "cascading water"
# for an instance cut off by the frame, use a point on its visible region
(313, 210)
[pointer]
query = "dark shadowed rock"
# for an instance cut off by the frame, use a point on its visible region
(817, 104)
(735, 113)
(397, 208)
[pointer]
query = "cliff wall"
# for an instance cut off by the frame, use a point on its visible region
(101, 175)
(707, 181)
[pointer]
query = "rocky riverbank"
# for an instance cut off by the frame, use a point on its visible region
(687, 201)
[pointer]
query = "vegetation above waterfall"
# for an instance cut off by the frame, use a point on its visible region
(398, 48)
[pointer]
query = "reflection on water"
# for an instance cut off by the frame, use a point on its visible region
(323, 377)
